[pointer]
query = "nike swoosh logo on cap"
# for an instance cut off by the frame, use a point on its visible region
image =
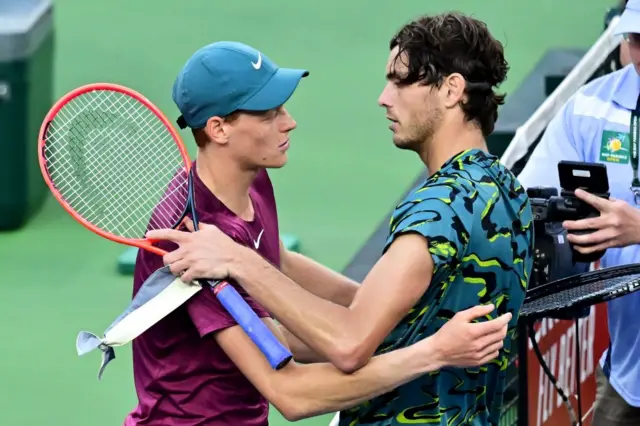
(258, 64)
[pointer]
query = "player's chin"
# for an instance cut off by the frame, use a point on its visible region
(400, 141)
(407, 144)
(277, 161)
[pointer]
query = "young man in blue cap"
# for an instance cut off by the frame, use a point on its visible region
(196, 366)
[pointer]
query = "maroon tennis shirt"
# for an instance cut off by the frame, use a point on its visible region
(182, 377)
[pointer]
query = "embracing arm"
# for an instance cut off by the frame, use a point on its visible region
(300, 391)
(347, 336)
(301, 352)
(317, 278)
(320, 281)
(426, 238)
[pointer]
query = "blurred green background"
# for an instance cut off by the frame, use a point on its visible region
(343, 176)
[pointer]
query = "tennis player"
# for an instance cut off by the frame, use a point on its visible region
(462, 238)
(196, 366)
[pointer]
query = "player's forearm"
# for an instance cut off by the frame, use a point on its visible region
(301, 352)
(318, 279)
(314, 389)
(324, 326)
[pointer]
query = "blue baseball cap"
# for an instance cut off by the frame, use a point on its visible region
(630, 19)
(225, 77)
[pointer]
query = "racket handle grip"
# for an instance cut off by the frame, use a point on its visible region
(275, 352)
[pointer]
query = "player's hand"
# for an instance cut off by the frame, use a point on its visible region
(207, 253)
(464, 343)
(617, 226)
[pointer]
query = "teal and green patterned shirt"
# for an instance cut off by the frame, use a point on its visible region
(477, 220)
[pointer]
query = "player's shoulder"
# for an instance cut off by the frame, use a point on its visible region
(486, 174)
(213, 211)
(435, 195)
(458, 182)
(476, 182)
(442, 186)
(499, 196)
(231, 225)
(435, 206)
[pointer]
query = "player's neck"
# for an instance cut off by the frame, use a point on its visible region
(449, 141)
(228, 182)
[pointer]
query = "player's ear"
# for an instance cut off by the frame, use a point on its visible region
(217, 130)
(454, 86)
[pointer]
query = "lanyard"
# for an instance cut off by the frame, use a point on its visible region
(634, 135)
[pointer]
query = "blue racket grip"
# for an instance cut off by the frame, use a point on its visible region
(275, 352)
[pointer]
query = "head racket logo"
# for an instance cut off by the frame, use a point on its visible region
(80, 150)
(90, 134)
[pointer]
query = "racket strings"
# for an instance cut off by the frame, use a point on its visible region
(127, 177)
(116, 164)
(110, 166)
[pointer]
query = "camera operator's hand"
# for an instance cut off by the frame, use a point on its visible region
(617, 226)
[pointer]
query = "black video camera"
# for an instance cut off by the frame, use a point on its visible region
(554, 257)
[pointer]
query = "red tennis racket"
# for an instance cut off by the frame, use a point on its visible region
(114, 162)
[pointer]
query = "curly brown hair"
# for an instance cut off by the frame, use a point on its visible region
(440, 45)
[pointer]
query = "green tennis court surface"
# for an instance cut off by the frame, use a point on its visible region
(343, 177)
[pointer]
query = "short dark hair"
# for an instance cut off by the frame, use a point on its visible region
(440, 45)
